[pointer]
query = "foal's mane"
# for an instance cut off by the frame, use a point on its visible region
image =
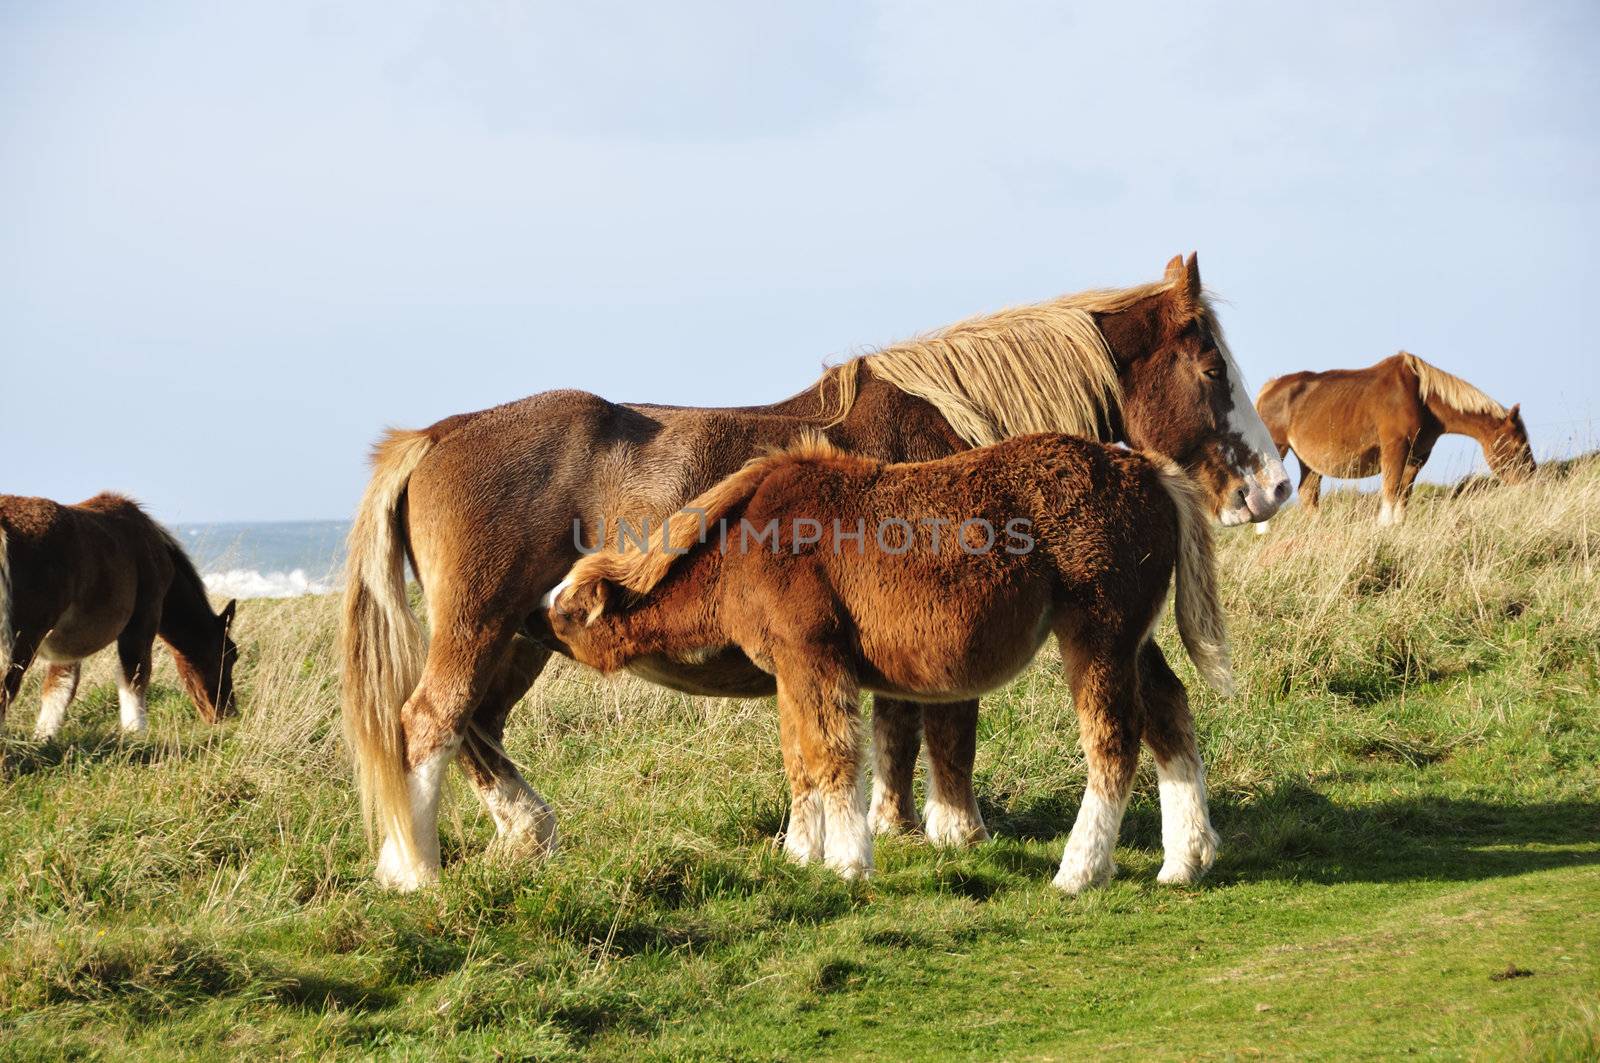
(640, 570)
(1039, 368)
(1451, 389)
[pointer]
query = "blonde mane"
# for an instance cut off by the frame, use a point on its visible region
(639, 571)
(1039, 368)
(1452, 390)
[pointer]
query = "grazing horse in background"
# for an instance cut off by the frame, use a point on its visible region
(1353, 423)
(74, 579)
(488, 507)
(1092, 537)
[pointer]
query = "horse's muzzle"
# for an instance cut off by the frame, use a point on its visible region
(1263, 492)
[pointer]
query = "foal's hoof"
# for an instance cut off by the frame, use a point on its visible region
(1187, 868)
(948, 825)
(1076, 878)
(1184, 874)
(853, 872)
(887, 818)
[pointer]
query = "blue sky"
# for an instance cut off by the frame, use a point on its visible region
(238, 239)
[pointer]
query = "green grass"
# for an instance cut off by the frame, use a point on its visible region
(1407, 787)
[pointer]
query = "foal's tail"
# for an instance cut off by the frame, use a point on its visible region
(7, 635)
(1198, 606)
(381, 641)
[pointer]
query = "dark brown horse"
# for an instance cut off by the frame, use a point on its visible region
(1353, 423)
(487, 508)
(859, 590)
(74, 579)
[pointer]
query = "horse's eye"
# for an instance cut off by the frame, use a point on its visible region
(1213, 373)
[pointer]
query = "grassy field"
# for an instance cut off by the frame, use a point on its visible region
(1407, 786)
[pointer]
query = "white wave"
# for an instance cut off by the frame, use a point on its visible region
(250, 583)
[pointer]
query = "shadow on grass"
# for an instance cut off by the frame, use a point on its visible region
(20, 757)
(1295, 832)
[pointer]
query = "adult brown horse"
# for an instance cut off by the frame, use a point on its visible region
(1352, 423)
(74, 579)
(488, 506)
(859, 590)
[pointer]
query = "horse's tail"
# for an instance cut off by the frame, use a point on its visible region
(7, 635)
(1198, 607)
(381, 642)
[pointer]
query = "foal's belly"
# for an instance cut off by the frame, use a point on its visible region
(951, 667)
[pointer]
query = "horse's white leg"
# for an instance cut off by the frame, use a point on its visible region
(131, 705)
(1187, 839)
(1385, 514)
(523, 820)
(1262, 527)
(403, 871)
(60, 684)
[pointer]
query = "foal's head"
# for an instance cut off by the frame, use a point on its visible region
(1186, 400)
(1509, 453)
(577, 606)
(205, 664)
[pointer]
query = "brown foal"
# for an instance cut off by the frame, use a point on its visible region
(860, 590)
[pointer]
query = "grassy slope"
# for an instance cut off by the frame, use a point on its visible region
(1406, 788)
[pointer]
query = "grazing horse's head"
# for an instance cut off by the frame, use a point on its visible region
(1185, 399)
(205, 665)
(1509, 453)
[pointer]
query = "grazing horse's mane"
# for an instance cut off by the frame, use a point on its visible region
(1039, 368)
(1451, 389)
(641, 570)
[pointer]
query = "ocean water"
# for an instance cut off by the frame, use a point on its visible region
(276, 559)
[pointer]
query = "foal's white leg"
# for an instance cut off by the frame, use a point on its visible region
(802, 841)
(1088, 860)
(948, 821)
(131, 705)
(1261, 526)
(60, 684)
(847, 837)
(1187, 839)
(1386, 514)
(397, 869)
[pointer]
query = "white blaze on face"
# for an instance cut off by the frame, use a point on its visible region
(1266, 486)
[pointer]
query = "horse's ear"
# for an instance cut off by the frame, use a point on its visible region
(1516, 412)
(1191, 278)
(1174, 271)
(226, 616)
